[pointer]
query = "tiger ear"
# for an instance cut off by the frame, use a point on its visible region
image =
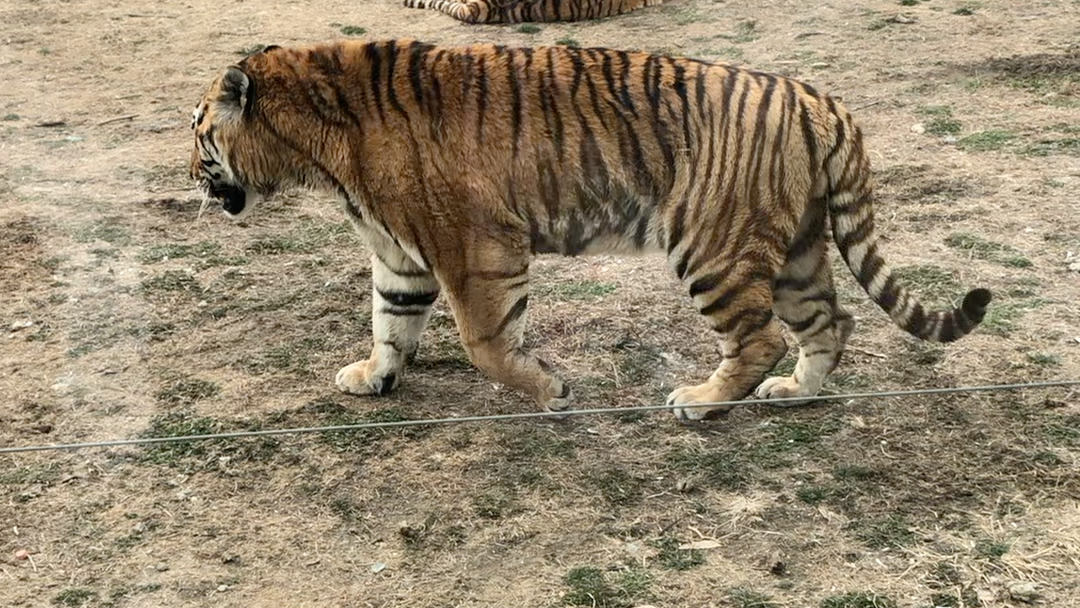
(237, 90)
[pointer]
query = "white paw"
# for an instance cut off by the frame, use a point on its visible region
(782, 387)
(360, 379)
(687, 396)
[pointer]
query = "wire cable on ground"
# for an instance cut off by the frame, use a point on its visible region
(526, 415)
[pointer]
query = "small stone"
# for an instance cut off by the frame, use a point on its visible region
(1024, 592)
(378, 567)
(918, 128)
(222, 588)
(17, 325)
(162, 567)
(22, 554)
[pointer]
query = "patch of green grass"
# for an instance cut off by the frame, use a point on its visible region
(346, 507)
(160, 253)
(294, 356)
(893, 532)
(741, 597)
(982, 249)
(276, 245)
(598, 589)
(727, 470)
(521, 444)
(184, 392)
(353, 30)
(727, 53)
(1003, 314)
(529, 28)
(1044, 359)
(75, 596)
(494, 505)
(991, 549)
(940, 120)
(909, 2)
(566, 41)
(1047, 458)
(109, 230)
(943, 125)
(577, 290)
(1045, 147)
(928, 280)
(29, 474)
(858, 599)
(10, 117)
(964, 11)
(431, 535)
(618, 487)
(177, 424)
(638, 363)
(1063, 430)
(171, 281)
(813, 495)
(671, 557)
(986, 141)
(363, 440)
(152, 332)
(854, 473)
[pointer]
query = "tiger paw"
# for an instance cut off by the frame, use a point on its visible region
(782, 387)
(560, 402)
(365, 378)
(687, 396)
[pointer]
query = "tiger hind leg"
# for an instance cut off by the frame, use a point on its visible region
(805, 300)
(741, 311)
(490, 309)
(402, 296)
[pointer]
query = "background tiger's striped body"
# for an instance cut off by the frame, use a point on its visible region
(459, 164)
(520, 11)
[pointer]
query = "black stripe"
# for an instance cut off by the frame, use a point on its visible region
(705, 283)
(481, 97)
(515, 99)
(407, 299)
(512, 315)
(677, 221)
(399, 312)
(861, 232)
(391, 63)
(375, 61)
(417, 53)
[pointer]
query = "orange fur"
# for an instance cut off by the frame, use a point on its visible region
(458, 165)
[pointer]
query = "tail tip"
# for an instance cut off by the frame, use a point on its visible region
(975, 304)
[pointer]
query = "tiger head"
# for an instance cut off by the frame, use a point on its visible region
(238, 158)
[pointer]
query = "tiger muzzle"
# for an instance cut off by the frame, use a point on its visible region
(232, 197)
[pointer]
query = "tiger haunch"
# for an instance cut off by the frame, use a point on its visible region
(458, 165)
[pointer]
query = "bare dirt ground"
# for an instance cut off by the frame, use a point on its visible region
(122, 315)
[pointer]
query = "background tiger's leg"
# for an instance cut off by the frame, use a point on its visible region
(402, 296)
(490, 309)
(751, 344)
(804, 298)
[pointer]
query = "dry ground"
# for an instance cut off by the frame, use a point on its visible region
(122, 315)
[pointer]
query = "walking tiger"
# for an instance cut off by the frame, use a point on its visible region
(458, 165)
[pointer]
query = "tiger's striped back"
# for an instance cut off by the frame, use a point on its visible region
(520, 11)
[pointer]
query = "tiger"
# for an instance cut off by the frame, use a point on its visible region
(520, 11)
(458, 165)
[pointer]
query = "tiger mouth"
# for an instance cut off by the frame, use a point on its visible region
(232, 198)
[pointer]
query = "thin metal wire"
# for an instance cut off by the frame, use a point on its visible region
(527, 415)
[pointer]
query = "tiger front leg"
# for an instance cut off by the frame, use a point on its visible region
(490, 309)
(402, 296)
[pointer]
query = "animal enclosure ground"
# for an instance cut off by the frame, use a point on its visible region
(123, 314)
